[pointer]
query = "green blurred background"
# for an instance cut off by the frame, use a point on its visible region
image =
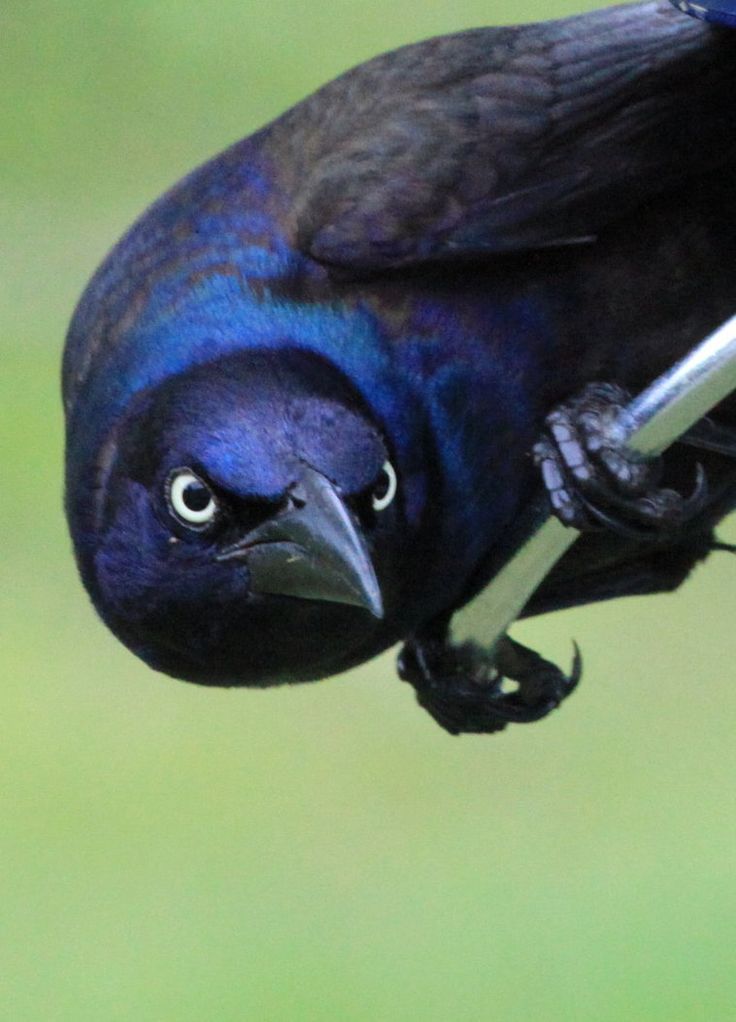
(325, 852)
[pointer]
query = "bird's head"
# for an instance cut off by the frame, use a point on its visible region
(248, 524)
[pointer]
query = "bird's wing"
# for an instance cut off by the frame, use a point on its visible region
(507, 139)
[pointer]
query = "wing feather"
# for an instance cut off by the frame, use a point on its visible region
(507, 139)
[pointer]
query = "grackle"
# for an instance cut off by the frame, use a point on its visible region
(310, 392)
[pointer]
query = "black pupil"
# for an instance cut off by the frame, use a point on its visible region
(196, 496)
(381, 488)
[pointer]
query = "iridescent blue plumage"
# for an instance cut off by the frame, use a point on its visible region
(225, 288)
(720, 12)
(392, 284)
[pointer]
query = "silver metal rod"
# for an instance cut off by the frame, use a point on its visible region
(685, 393)
(653, 421)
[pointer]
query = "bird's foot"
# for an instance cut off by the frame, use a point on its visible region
(463, 686)
(594, 482)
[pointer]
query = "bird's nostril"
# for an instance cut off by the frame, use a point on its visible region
(296, 497)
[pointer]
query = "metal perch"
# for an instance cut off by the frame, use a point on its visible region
(653, 421)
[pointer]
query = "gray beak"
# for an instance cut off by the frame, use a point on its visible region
(312, 549)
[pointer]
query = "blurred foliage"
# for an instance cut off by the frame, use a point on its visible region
(323, 852)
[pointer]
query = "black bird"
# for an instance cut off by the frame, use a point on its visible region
(304, 392)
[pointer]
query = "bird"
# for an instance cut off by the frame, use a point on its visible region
(310, 392)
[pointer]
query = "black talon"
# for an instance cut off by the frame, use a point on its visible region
(541, 684)
(461, 685)
(698, 499)
(613, 523)
(593, 480)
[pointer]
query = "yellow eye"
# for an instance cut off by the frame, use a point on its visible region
(385, 489)
(191, 501)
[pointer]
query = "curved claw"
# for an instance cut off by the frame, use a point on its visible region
(698, 499)
(542, 685)
(662, 520)
(615, 523)
(460, 686)
(594, 481)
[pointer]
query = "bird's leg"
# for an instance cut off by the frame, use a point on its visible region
(593, 480)
(462, 686)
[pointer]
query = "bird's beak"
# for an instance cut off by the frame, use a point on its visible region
(312, 549)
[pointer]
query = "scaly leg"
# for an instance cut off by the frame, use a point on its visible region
(592, 480)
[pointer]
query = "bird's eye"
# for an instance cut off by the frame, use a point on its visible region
(191, 501)
(384, 490)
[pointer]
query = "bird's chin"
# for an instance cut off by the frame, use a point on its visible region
(271, 651)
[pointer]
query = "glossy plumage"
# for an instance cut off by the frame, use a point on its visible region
(414, 265)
